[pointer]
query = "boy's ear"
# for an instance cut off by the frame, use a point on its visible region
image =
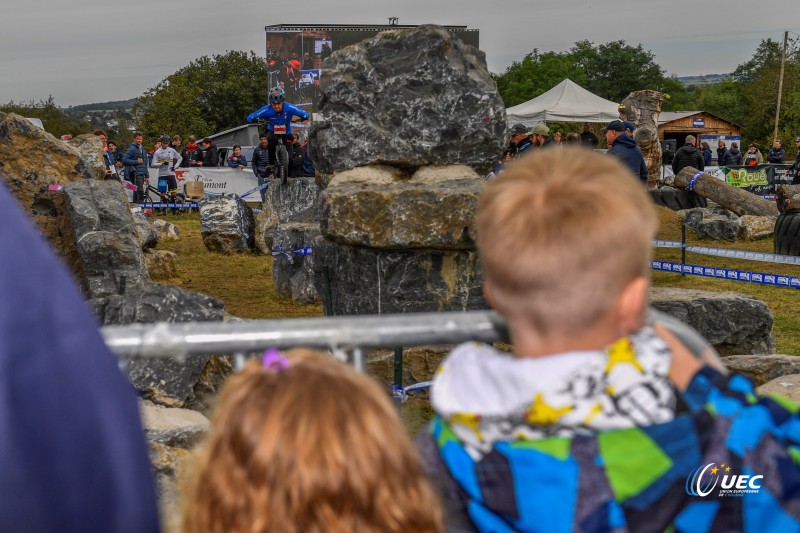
(487, 292)
(632, 305)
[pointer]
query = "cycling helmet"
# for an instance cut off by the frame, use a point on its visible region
(276, 95)
(165, 139)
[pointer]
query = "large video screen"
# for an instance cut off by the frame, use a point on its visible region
(295, 57)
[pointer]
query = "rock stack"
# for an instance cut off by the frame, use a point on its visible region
(412, 121)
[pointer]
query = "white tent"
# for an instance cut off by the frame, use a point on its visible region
(566, 102)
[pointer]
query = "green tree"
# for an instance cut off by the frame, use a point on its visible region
(535, 74)
(210, 94)
(610, 70)
(54, 119)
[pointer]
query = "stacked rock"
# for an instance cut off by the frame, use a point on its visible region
(412, 121)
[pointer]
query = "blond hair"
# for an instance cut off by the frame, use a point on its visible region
(316, 447)
(560, 233)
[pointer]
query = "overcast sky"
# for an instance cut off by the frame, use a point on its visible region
(99, 50)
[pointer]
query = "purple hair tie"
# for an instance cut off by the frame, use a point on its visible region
(274, 361)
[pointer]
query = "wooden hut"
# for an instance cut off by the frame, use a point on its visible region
(676, 125)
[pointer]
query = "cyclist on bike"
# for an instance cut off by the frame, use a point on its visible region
(166, 159)
(278, 115)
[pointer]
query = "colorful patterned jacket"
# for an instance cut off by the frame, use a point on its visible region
(685, 475)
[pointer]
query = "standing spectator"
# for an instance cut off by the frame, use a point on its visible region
(261, 165)
(733, 157)
(520, 139)
(777, 153)
(573, 139)
(706, 154)
(175, 143)
(688, 156)
(136, 161)
(795, 170)
(236, 159)
(753, 156)
(108, 161)
(558, 139)
(722, 151)
(156, 146)
(621, 145)
(289, 78)
(166, 159)
(295, 61)
(540, 135)
(116, 156)
(192, 155)
(629, 128)
(304, 443)
(210, 155)
(73, 455)
(587, 137)
(326, 50)
(296, 161)
(308, 63)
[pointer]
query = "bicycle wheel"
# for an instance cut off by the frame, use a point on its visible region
(152, 196)
(282, 157)
(180, 200)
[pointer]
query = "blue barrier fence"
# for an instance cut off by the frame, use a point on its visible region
(762, 278)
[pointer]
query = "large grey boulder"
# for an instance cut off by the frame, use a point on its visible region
(90, 146)
(145, 232)
(33, 162)
(364, 280)
(787, 386)
(408, 98)
(167, 231)
(383, 207)
(732, 322)
(109, 250)
(298, 200)
(719, 224)
(172, 426)
(227, 224)
(293, 273)
(170, 380)
(763, 368)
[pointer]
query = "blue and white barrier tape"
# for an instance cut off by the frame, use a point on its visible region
(187, 205)
(401, 393)
(256, 189)
(733, 254)
(305, 250)
(761, 278)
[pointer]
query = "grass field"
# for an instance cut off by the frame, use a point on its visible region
(244, 283)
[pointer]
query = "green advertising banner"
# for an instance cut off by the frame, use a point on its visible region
(760, 179)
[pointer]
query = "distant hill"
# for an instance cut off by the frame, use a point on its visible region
(704, 79)
(117, 105)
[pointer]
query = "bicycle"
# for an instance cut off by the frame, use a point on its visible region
(281, 163)
(175, 201)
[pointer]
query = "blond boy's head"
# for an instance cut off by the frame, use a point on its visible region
(561, 234)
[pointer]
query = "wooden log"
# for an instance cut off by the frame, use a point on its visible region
(788, 198)
(642, 108)
(731, 198)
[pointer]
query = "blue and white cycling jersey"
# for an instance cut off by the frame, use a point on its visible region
(278, 123)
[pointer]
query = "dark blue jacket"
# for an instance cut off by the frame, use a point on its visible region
(626, 149)
(73, 456)
(707, 156)
(129, 160)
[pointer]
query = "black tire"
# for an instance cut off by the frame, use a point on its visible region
(151, 196)
(179, 198)
(282, 158)
(677, 199)
(786, 239)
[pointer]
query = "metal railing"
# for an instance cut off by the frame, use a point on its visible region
(353, 333)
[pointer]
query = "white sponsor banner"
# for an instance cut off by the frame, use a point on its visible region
(714, 171)
(217, 181)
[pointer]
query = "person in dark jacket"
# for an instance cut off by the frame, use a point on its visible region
(587, 137)
(520, 140)
(192, 155)
(622, 146)
(210, 155)
(722, 151)
(540, 135)
(73, 455)
(706, 154)
(795, 171)
(260, 165)
(777, 153)
(136, 161)
(733, 157)
(688, 156)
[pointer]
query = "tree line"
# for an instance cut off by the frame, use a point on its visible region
(215, 93)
